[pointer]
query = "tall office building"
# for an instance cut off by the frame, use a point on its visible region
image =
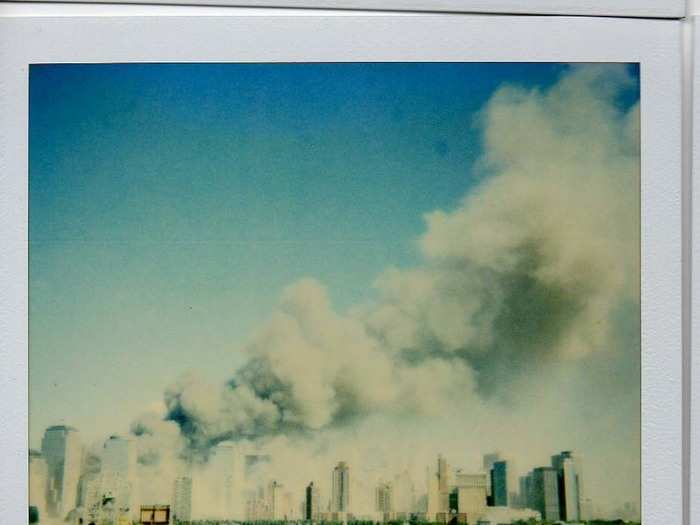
(117, 469)
(384, 499)
(38, 482)
(275, 503)
(225, 480)
(545, 493)
(568, 485)
(312, 503)
(90, 498)
(340, 501)
(443, 477)
(182, 499)
(499, 484)
(62, 451)
(487, 464)
(525, 496)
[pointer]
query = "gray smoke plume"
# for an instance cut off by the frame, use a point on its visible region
(534, 274)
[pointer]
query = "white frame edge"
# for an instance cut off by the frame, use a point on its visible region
(362, 37)
(622, 8)
(693, 215)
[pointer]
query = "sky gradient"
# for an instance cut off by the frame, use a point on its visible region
(170, 204)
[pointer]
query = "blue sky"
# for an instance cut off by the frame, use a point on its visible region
(171, 204)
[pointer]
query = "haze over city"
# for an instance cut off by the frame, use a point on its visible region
(373, 264)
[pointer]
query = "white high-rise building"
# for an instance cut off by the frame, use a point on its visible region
(226, 481)
(340, 501)
(117, 472)
(384, 499)
(569, 485)
(38, 482)
(443, 477)
(91, 497)
(182, 499)
(275, 502)
(471, 495)
(62, 451)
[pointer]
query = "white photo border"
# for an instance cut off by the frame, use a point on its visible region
(693, 201)
(631, 8)
(321, 36)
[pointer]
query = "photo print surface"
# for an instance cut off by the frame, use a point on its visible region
(334, 293)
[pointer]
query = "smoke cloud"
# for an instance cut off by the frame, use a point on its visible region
(518, 330)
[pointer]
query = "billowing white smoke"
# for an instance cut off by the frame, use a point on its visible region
(535, 268)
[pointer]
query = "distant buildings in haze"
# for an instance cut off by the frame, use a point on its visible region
(67, 482)
(182, 499)
(312, 503)
(340, 501)
(555, 491)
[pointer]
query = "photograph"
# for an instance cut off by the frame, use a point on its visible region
(357, 293)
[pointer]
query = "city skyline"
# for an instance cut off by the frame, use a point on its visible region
(108, 487)
(340, 262)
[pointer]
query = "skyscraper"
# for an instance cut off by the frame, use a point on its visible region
(499, 484)
(443, 476)
(275, 504)
(182, 499)
(568, 485)
(545, 493)
(225, 478)
(487, 464)
(116, 471)
(312, 504)
(525, 496)
(340, 500)
(384, 499)
(38, 482)
(62, 451)
(91, 497)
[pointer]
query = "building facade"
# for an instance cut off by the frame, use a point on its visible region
(545, 493)
(312, 503)
(275, 503)
(384, 500)
(499, 483)
(62, 451)
(117, 472)
(443, 477)
(225, 481)
(182, 499)
(340, 500)
(471, 495)
(568, 485)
